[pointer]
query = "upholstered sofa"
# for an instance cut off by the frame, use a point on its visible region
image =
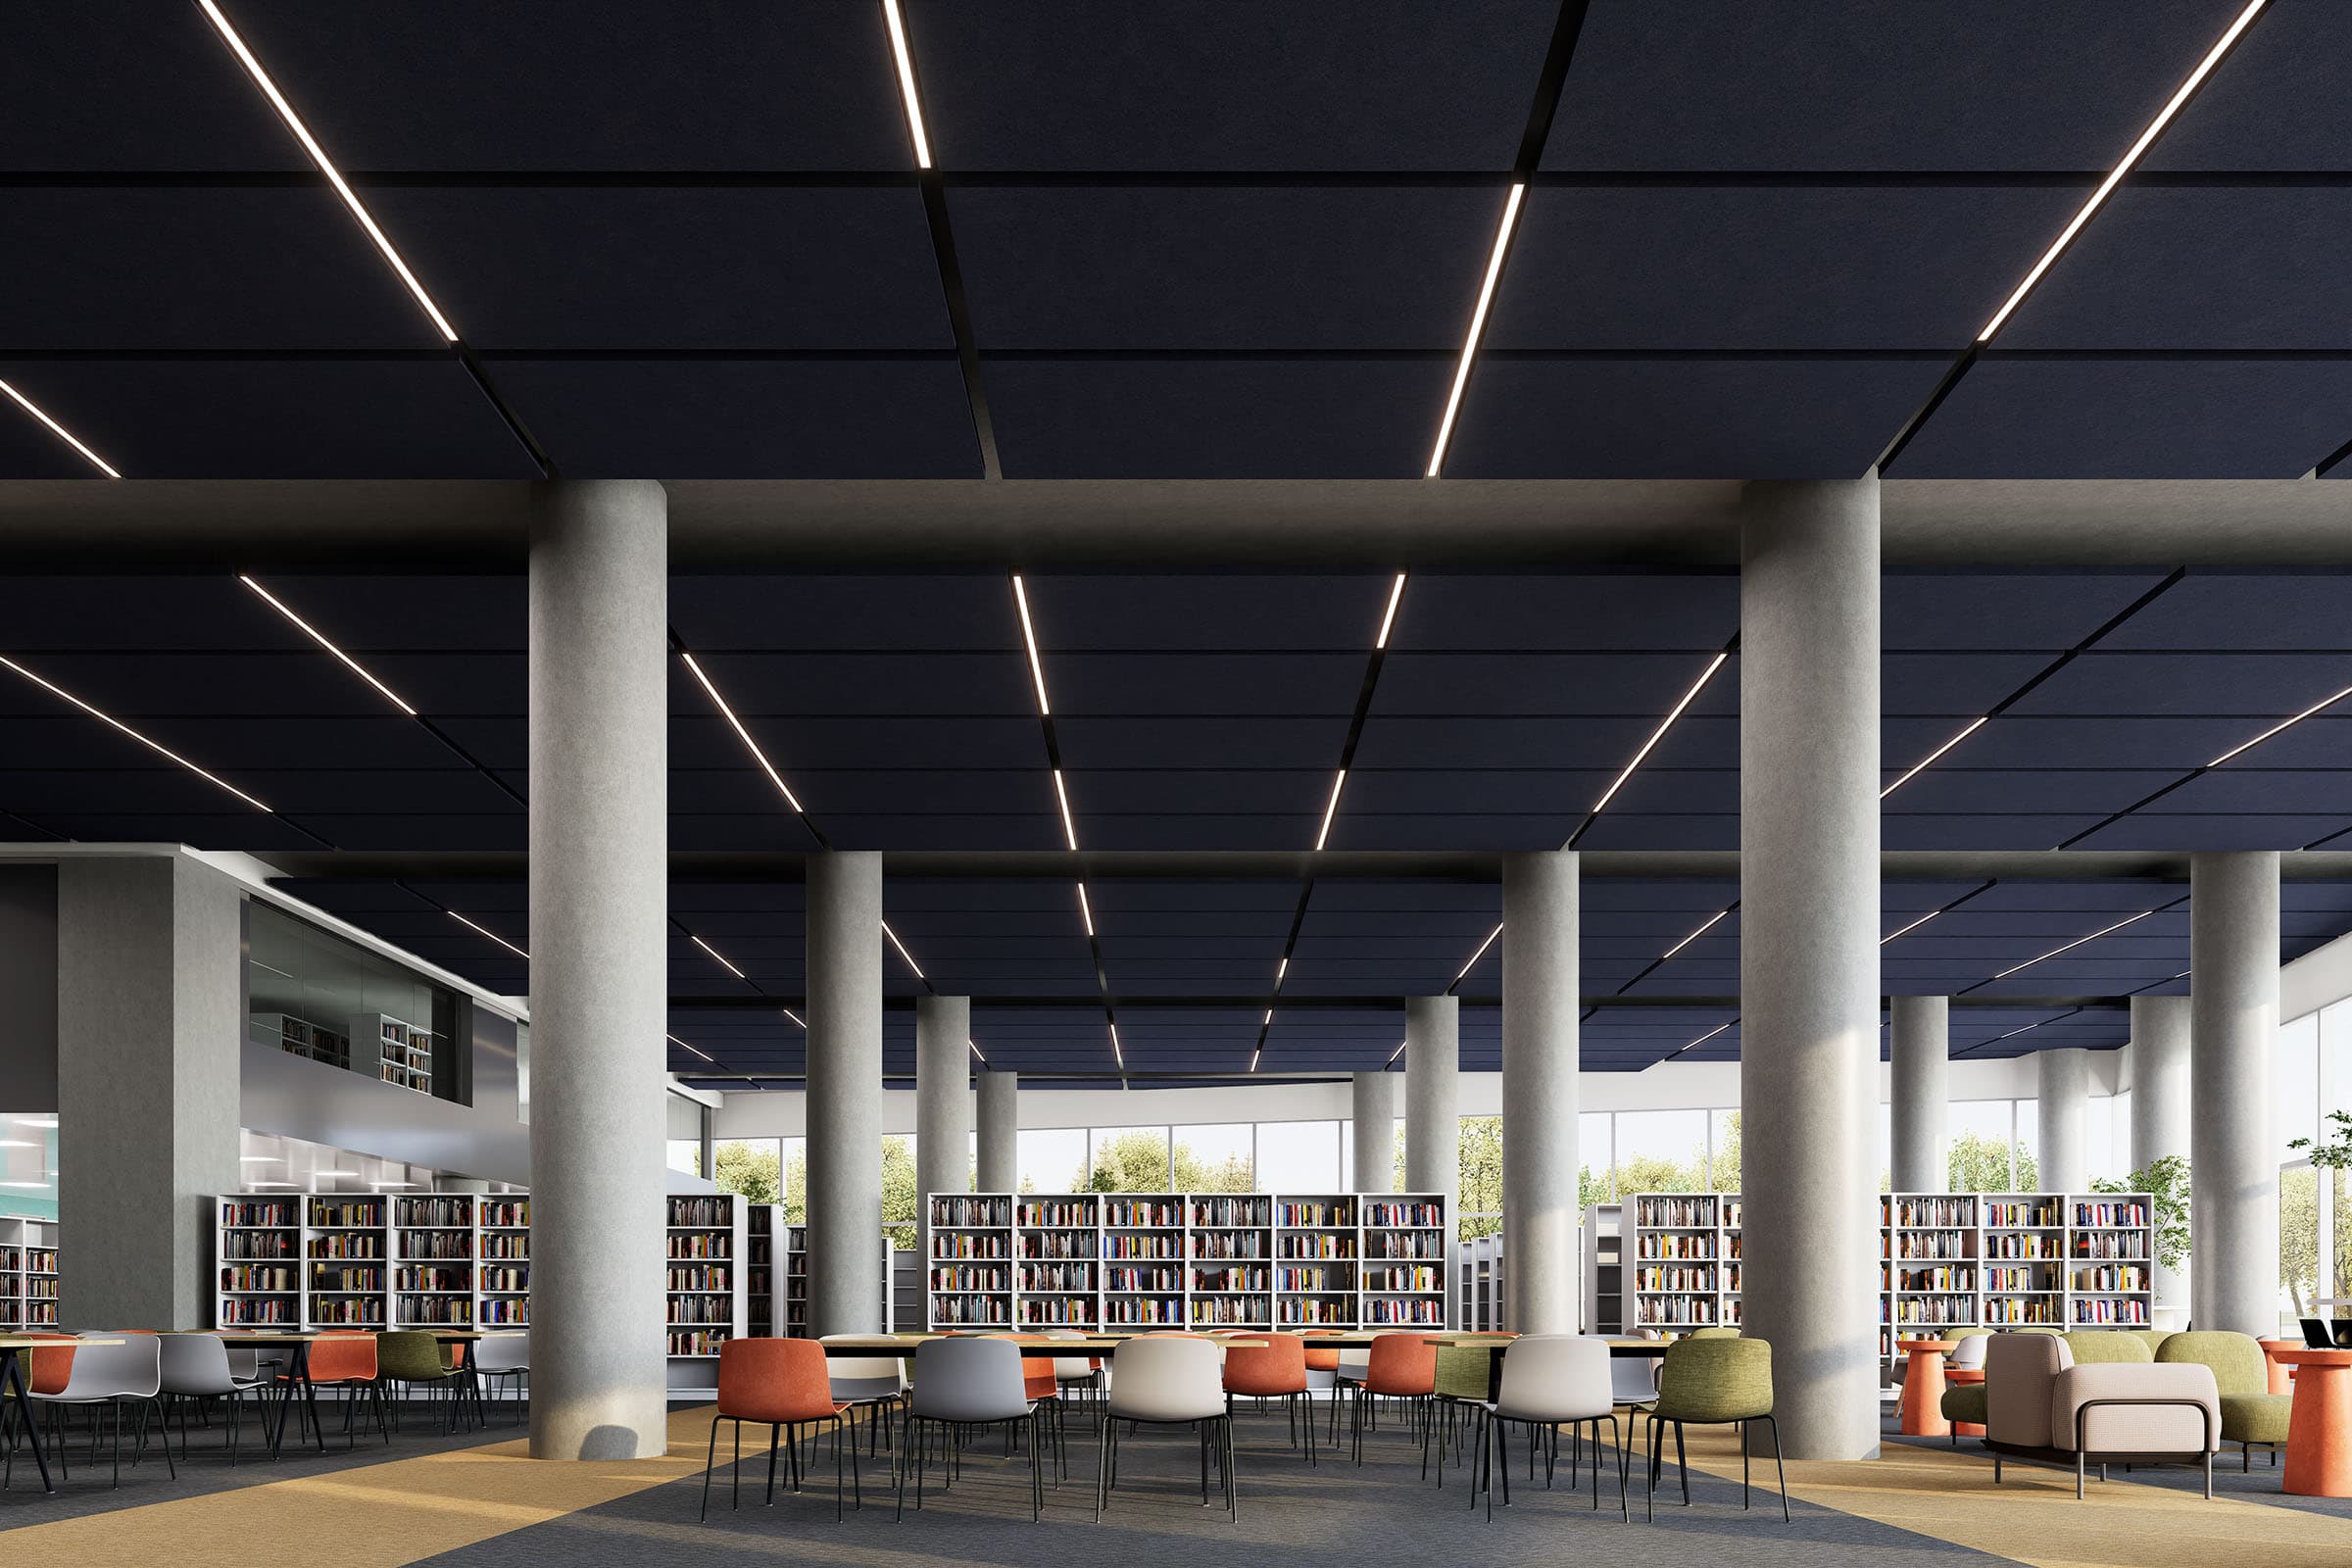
(2042, 1404)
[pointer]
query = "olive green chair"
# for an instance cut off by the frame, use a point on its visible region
(2153, 1338)
(1464, 1378)
(2107, 1348)
(2250, 1412)
(1965, 1401)
(412, 1359)
(1713, 1382)
(1717, 1333)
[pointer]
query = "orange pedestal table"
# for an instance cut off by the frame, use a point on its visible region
(2319, 1434)
(2281, 1377)
(1923, 1388)
(1959, 1375)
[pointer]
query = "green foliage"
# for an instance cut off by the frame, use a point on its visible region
(2336, 1153)
(1139, 1160)
(2166, 1182)
(902, 1198)
(1980, 1165)
(2299, 1235)
(752, 1170)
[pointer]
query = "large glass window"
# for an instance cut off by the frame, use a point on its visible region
(314, 994)
(1982, 1144)
(1050, 1157)
(2028, 1145)
(901, 1195)
(1215, 1158)
(2295, 1085)
(752, 1168)
(687, 1120)
(1126, 1159)
(1300, 1156)
(1595, 1144)
(1480, 1173)
(1661, 1152)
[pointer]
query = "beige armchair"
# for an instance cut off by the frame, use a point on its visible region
(2040, 1405)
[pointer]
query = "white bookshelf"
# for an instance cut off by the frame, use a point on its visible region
(401, 1053)
(1057, 1261)
(2005, 1260)
(435, 1241)
(1603, 1244)
(503, 1244)
(765, 1235)
(1674, 1275)
(2110, 1250)
(28, 1273)
(703, 1285)
(390, 1260)
(1133, 1260)
(346, 1272)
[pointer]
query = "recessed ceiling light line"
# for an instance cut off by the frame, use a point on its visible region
(902, 953)
(321, 639)
(1974, 725)
(334, 176)
(743, 734)
(1331, 809)
(2326, 702)
(2077, 941)
(723, 962)
(153, 746)
(486, 931)
(1478, 327)
(60, 431)
(1708, 925)
(2114, 176)
(1086, 911)
(905, 59)
(1070, 826)
(1480, 954)
(1659, 734)
(1037, 665)
(1389, 617)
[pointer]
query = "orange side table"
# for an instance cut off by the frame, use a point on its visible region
(1923, 1388)
(2281, 1377)
(1959, 1375)
(2319, 1434)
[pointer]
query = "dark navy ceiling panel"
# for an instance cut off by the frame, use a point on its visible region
(2135, 419)
(2270, 105)
(1344, 268)
(1603, 611)
(281, 419)
(149, 268)
(586, 84)
(791, 418)
(1939, 611)
(731, 268)
(1851, 84)
(1840, 267)
(1695, 419)
(1204, 418)
(2197, 268)
(2302, 612)
(1229, 84)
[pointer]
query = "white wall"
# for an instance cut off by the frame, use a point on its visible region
(1670, 1086)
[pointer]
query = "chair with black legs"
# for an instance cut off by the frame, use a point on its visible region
(968, 1383)
(781, 1385)
(196, 1368)
(1550, 1381)
(127, 1372)
(412, 1359)
(1713, 1382)
(1169, 1380)
(499, 1355)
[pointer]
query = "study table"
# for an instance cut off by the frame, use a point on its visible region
(13, 1383)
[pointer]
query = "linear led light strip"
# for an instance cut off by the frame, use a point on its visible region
(2115, 177)
(320, 637)
(334, 176)
(1389, 617)
(1703, 929)
(1086, 911)
(1974, 725)
(1117, 1055)
(1478, 327)
(2248, 746)
(697, 1050)
(60, 431)
(2077, 941)
(1659, 734)
(902, 953)
(153, 746)
(486, 931)
(1907, 930)
(744, 735)
(1331, 809)
(904, 61)
(1069, 828)
(716, 954)
(1480, 954)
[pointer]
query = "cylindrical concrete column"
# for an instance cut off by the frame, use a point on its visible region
(1809, 776)
(599, 940)
(2233, 1041)
(2160, 1116)
(1541, 998)
(1433, 1116)
(1000, 1164)
(942, 1105)
(1919, 1053)
(1375, 1134)
(2062, 1084)
(845, 1091)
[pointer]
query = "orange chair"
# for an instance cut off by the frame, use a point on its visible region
(345, 1361)
(782, 1384)
(1403, 1366)
(1276, 1370)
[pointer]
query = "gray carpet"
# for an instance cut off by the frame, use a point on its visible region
(1383, 1513)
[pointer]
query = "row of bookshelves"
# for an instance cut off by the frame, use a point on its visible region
(1247, 1260)
(27, 1274)
(2013, 1260)
(392, 1260)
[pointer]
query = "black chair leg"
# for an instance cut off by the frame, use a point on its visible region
(1782, 1470)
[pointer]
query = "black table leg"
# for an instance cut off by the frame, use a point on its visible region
(298, 1380)
(11, 1368)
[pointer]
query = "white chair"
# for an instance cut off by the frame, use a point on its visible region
(499, 1355)
(197, 1367)
(878, 1383)
(1550, 1381)
(1169, 1380)
(1969, 1350)
(1078, 1371)
(968, 1383)
(112, 1375)
(1353, 1366)
(2040, 1405)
